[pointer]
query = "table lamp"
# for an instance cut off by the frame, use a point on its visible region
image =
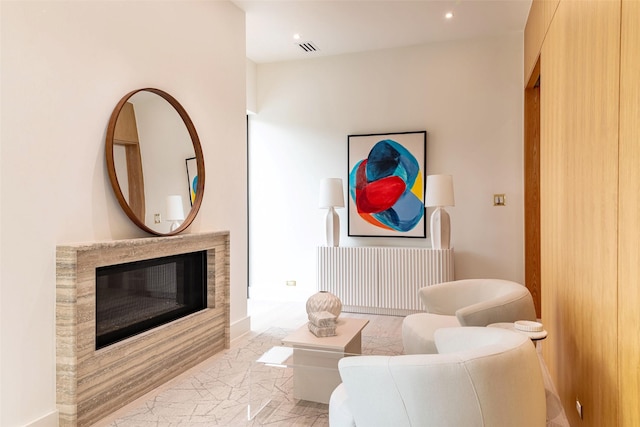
(331, 196)
(175, 211)
(439, 194)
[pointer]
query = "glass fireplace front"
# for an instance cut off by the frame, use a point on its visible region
(135, 297)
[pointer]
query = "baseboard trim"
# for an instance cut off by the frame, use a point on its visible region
(49, 420)
(240, 327)
(379, 310)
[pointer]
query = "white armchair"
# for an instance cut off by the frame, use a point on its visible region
(481, 377)
(471, 302)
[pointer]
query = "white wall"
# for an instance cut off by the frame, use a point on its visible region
(467, 95)
(252, 70)
(65, 65)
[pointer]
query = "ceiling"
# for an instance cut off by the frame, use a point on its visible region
(337, 27)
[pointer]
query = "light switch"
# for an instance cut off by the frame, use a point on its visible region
(499, 200)
(579, 408)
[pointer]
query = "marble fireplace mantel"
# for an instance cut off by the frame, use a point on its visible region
(92, 383)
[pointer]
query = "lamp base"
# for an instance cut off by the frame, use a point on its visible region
(174, 225)
(333, 228)
(440, 229)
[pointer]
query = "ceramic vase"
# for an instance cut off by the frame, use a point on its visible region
(324, 301)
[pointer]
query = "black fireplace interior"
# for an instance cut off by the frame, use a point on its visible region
(135, 297)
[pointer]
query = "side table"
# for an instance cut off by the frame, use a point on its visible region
(534, 336)
(311, 380)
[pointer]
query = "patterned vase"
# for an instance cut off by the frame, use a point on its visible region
(324, 301)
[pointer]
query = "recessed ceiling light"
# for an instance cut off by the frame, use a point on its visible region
(296, 36)
(448, 15)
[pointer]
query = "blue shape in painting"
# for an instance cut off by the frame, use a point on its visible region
(353, 180)
(383, 160)
(388, 158)
(405, 214)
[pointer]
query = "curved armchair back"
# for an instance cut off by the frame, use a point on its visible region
(479, 302)
(482, 377)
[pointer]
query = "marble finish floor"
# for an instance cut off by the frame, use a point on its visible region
(216, 392)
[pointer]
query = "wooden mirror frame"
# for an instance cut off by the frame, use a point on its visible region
(111, 131)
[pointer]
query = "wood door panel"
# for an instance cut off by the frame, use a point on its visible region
(532, 194)
(629, 217)
(579, 193)
(540, 17)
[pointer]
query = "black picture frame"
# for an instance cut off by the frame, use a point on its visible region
(379, 164)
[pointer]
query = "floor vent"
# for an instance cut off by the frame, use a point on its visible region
(308, 47)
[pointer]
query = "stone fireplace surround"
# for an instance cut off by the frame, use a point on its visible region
(92, 383)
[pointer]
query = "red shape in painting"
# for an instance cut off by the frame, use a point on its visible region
(379, 195)
(361, 176)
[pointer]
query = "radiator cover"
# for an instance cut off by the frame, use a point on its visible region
(381, 280)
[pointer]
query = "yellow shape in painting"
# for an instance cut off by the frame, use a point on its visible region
(417, 187)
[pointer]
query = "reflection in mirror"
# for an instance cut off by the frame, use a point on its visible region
(149, 140)
(128, 159)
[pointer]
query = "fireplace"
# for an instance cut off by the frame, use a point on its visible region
(138, 296)
(93, 380)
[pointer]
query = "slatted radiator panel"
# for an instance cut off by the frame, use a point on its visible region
(403, 271)
(350, 274)
(381, 280)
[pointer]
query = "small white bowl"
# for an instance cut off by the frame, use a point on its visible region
(528, 326)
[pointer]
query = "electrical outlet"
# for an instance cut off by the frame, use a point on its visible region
(291, 282)
(157, 219)
(579, 408)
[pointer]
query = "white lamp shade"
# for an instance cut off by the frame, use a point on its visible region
(175, 211)
(439, 190)
(331, 194)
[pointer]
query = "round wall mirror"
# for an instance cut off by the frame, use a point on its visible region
(155, 162)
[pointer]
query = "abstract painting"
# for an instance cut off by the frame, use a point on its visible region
(386, 184)
(192, 178)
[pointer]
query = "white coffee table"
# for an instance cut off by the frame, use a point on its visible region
(315, 360)
(348, 338)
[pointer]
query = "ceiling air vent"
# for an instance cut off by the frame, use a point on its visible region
(308, 47)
